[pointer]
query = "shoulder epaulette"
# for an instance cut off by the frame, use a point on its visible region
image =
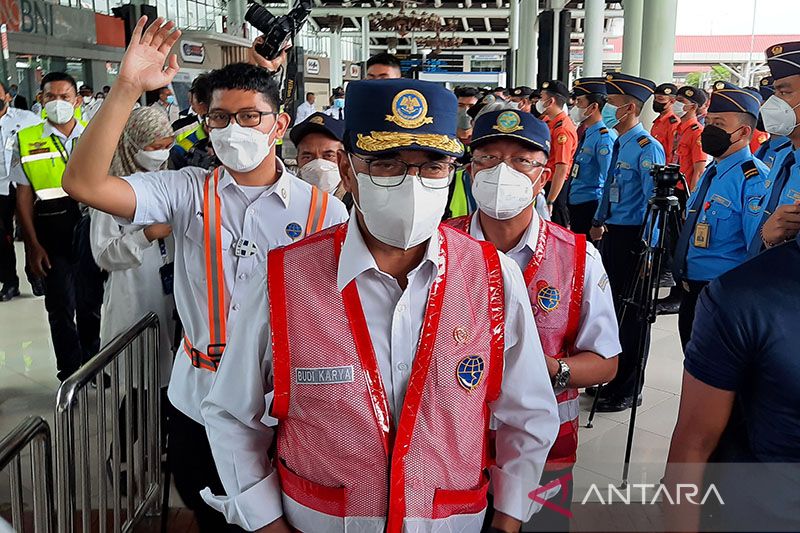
(603, 130)
(782, 146)
(695, 127)
(749, 169)
(673, 119)
(559, 123)
(643, 141)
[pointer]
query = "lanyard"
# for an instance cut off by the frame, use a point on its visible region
(162, 247)
(62, 151)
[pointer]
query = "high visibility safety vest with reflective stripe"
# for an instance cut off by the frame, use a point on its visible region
(459, 206)
(43, 159)
(215, 277)
(187, 138)
(555, 288)
(427, 470)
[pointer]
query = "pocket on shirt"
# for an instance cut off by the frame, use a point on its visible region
(721, 219)
(195, 237)
(447, 503)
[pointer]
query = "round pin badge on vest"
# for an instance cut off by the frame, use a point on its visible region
(547, 297)
(294, 230)
(460, 335)
(470, 372)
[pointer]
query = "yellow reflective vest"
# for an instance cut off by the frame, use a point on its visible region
(43, 159)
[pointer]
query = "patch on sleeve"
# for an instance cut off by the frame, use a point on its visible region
(604, 151)
(749, 169)
(754, 204)
(603, 283)
(646, 163)
(643, 141)
(561, 139)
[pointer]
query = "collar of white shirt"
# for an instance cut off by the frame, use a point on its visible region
(49, 130)
(356, 258)
(529, 239)
(282, 188)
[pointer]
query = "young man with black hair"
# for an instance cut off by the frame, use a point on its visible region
(467, 97)
(224, 222)
(192, 147)
(383, 66)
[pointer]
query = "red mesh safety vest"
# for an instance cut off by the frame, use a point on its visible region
(554, 278)
(342, 459)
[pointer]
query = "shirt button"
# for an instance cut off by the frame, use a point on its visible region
(402, 367)
(401, 308)
(235, 307)
(242, 276)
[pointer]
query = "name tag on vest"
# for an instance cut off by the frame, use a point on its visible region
(324, 376)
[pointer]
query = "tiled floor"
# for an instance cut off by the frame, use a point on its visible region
(28, 386)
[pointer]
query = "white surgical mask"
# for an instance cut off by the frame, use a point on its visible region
(778, 116)
(577, 114)
(321, 173)
(540, 107)
(502, 192)
(240, 149)
(59, 111)
(402, 216)
(87, 99)
(151, 160)
(679, 108)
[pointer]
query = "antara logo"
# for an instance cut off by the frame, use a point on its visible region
(637, 493)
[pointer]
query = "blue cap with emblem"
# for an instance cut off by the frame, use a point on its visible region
(401, 114)
(784, 59)
(620, 83)
(693, 94)
(730, 98)
(585, 86)
(511, 124)
(318, 123)
(766, 87)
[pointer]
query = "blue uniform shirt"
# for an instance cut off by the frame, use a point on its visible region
(768, 151)
(732, 209)
(591, 164)
(629, 184)
(791, 191)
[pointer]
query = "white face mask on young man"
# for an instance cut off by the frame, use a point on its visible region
(241, 149)
(679, 108)
(502, 192)
(59, 111)
(402, 216)
(151, 160)
(322, 174)
(778, 116)
(541, 107)
(578, 114)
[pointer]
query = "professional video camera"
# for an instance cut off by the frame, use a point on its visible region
(278, 31)
(666, 178)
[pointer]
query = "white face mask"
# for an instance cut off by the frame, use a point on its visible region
(87, 99)
(502, 192)
(59, 111)
(402, 216)
(241, 149)
(540, 107)
(151, 160)
(577, 114)
(679, 108)
(778, 116)
(321, 173)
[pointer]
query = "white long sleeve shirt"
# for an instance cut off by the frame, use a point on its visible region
(240, 429)
(260, 215)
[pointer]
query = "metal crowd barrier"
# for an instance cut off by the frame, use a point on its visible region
(33, 433)
(130, 421)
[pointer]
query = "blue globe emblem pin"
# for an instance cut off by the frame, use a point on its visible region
(548, 298)
(294, 230)
(470, 371)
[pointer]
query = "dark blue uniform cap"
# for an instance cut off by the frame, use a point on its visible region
(401, 114)
(639, 88)
(510, 124)
(586, 86)
(728, 97)
(766, 87)
(667, 89)
(693, 94)
(318, 123)
(784, 59)
(555, 87)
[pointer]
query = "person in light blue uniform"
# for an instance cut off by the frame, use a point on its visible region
(620, 215)
(725, 208)
(769, 149)
(593, 156)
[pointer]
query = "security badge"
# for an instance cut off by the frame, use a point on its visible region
(245, 248)
(701, 235)
(613, 193)
(409, 110)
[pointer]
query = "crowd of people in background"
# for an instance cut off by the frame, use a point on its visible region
(160, 207)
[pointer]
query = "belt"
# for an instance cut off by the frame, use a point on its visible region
(208, 361)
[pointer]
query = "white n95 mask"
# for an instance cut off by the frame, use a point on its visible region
(151, 160)
(321, 173)
(502, 192)
(241, 149)
(679, 108)
(59, 111)
(778, 116)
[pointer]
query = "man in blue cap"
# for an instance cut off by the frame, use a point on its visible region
(383, 348)
(725, 208)
(567, 284)
(769, 149)
(620, 215)
(593, 156)
(781, 210)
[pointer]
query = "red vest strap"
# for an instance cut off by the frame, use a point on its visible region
(576, 300)
(541, 242)
(279, 325)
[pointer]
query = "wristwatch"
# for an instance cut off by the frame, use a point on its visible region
(561, 379)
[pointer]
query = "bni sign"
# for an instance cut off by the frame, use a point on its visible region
(193, 51)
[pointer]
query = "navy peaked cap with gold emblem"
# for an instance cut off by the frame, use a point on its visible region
(522, 91)
(555, 87)
(620, 83)
(693, 94)
(728, 97)
(667, 89)
(784, 59)
(585, 86)
(318, 123)
(511, 124)
(766, 87)
(401, 114)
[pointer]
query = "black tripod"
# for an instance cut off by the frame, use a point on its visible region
(641, 295)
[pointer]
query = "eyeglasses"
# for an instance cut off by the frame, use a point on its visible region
(392, 172)
(520, 164)
(246, 119)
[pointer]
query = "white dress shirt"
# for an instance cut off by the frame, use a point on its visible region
(335, 112)
(10, 123)
(304, 111)
(18, 175)
(598, 331)
(171, 110)
(240, 429)
(133, 288)
(176, 197)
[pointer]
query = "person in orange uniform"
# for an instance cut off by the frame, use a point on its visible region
(690, 154)
(759, 138)
(665, 127)
(564, 142)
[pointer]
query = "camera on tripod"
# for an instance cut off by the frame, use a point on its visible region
(666, 178)
(278, 31)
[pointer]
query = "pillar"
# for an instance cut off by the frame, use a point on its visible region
(236, 10)
(632, 36)
(336, 57)
(526, 55)
(365, 40)
(593, 27)
(658, 45)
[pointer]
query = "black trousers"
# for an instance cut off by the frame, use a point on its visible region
(193, 469)
(691, 292)
(8, 258)
(89, 288)
(560, 209)
(580, 218)
(619, 249)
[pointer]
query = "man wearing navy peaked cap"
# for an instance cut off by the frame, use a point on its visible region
(387, 339)
(769, 149)
(566, 280)
(665, 126)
